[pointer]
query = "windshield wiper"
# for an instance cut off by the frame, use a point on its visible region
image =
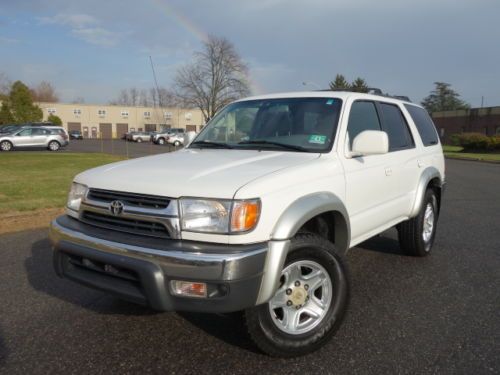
(212, 144)
(271, 143)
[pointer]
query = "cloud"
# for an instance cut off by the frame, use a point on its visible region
(85, 27)
(7, 40)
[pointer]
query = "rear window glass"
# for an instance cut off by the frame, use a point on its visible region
(396, 127)
(424, 125)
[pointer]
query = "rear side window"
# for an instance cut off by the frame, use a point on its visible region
(424, 125)
(396, 127)
(363, 116)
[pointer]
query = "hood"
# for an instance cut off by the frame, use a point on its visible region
(189, 172)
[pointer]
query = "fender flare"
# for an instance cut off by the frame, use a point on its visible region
(287, 226)
(427, 175)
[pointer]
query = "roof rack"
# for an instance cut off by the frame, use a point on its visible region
(373, 91)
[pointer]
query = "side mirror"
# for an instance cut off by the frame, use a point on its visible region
(370, 142)
(189, 137)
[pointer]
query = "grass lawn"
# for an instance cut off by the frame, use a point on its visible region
(35, 180)
(456, 152)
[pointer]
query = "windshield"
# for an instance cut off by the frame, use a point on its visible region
(293, 124)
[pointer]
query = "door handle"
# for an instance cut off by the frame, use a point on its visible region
(388, 171)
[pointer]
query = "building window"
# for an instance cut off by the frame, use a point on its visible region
(167, 115)
(101, 112)
(147, 114)
(124, 113)
(188, 116)
(77, 112)
(51, 111)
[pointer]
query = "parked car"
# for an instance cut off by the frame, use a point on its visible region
(139, 137)
(161, 137)
(258, 212)
(75, 134)
(38, 136)
(175, 139)
(60, 130)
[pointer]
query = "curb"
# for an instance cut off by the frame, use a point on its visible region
(472, 159)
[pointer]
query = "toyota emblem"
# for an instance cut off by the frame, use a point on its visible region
(116, 207)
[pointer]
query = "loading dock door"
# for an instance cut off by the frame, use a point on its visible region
(105, 130)
(75, 126)
(121, 129)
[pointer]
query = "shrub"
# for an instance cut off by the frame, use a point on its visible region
(474, 141)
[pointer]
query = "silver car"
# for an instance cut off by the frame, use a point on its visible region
(139, 137)
(37, 136)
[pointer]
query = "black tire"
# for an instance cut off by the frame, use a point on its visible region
(177, 143)
(273, 340)
(54, 146)
(161, 141)
(139, 140)
(412, 239)
(6, 146)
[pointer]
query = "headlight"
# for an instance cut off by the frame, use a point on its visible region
(75, 196)
(219, 216)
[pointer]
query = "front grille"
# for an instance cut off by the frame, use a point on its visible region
(130, 199)
(141, 227)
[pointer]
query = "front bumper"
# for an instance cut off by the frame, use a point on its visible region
(140, 269)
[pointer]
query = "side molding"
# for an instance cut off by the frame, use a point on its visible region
(294, 217)
(427, 175)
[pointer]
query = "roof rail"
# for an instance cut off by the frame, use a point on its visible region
(373, 91)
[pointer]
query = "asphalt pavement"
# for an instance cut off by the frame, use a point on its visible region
(437, 315)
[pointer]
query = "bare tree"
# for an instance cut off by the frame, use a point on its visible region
(5, 84)
(44, 92)
(134, 96)
(143, 98)
(215, 78)
(123, 98)
(167, 98)
(78, 100)
(153, 95)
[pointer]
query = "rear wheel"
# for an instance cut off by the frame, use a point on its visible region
(177, 143)
(5, 146)
(139, 140)
(161, 141)
(54, 146)
(308, 306)
(416, 236)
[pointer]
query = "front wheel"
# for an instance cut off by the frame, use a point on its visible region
(416, 236)
(5, 146)
(139, 140)
(177, 143)
(161, 141)
(310, 302)
(54, 146)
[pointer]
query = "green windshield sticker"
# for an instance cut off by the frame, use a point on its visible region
(329, 102)
(319, 139)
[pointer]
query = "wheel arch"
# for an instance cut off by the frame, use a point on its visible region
(298, 216)
(430, 178)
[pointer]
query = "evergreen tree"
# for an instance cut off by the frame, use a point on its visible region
(21, 104)
(359, 85)
(443, 98)
(340, 83)
(56, 120)
(5, 114)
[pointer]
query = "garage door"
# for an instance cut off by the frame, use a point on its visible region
(105, 130)
(74, 126)
(150, 127)
(190, 128)
(121, 129)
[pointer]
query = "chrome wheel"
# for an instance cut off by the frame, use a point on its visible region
(303, 298)
(5, 146)
(428, 226)
(161, 141)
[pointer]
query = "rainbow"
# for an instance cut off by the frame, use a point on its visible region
(199, 34)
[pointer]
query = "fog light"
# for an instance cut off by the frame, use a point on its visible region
(188, 289)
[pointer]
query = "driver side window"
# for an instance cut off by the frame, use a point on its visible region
(363, 116)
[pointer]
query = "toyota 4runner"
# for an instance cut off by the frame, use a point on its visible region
(258, 212)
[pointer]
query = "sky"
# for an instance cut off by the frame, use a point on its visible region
(95, 48)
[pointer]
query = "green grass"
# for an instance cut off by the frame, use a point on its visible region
(456, 152)
(36, 180)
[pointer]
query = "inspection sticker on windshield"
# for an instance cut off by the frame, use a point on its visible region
(319, 139)
(329, 102)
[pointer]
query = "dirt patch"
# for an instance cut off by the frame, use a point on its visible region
(19, 221)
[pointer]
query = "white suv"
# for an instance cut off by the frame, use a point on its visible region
(258, 212)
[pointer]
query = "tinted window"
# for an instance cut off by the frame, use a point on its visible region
(24, 133)
(424, 125)
(396, 127)
(363, 117)
(39, 131)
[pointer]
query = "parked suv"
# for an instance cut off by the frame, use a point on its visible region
(38, 136)
(139, 137)
(162, 137)
(258, 212)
